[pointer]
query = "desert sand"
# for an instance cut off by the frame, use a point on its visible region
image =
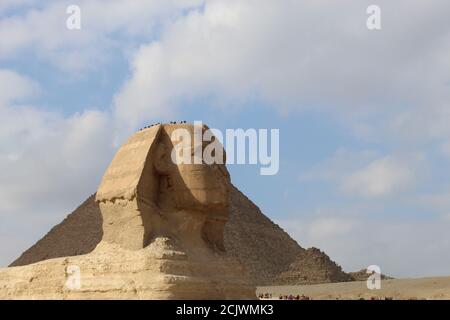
(436, 288)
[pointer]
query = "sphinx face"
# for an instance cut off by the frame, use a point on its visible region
(190, 186)
(200, 187)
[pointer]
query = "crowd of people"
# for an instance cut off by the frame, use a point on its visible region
(268, 296)
(284, 297)
(292, 297)
(265, 296)
(158, 123)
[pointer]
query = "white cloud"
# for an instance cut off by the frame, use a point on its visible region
(329, 227)
(15, 86)
(367, 173)
(381, 177)
(44, 30)
(293, 55)
(402, 248)
(49, 157)
(297, 55)
(445, 148)
(13, 4)
(438, 201)
(48, 163)
(340, 164)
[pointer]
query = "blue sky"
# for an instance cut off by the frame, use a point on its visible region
(363, 115)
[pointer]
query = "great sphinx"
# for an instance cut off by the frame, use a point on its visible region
(162, 232)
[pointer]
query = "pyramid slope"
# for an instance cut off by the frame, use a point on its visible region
(264, 249)
(311, 267)
(261, 245)
(78, 234)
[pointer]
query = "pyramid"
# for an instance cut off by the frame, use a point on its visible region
(269, 254)
(310, 267)
(363, 274)
(263, 247)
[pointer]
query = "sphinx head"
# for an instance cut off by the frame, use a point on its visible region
(184, 183)
(145, 193)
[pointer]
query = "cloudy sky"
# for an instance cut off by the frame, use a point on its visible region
(363, 115)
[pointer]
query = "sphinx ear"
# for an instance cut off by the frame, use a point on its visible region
(162, 159)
